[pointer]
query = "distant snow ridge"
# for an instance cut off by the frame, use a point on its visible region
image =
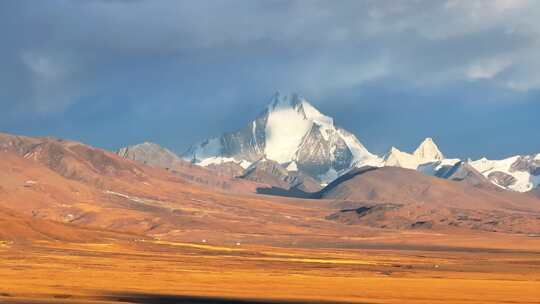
(293, 133)
(518, 173)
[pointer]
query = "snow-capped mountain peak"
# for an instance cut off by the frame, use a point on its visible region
(397, 158)
(299, 104)
(280, 101)
(428, 150)
(289, 130)
(426, 153)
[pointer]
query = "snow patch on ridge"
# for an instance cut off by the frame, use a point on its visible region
(292, 166)
(316, 116)
(222, 160)
(325, 123)
(361, 155)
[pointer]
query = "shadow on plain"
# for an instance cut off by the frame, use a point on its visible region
(137, 298)
(149, 298)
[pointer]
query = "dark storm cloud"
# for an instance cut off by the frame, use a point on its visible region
(117, 72)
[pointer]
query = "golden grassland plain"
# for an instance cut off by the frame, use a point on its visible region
(149, 270)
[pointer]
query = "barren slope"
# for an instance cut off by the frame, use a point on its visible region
(401, 198)
(74, 183)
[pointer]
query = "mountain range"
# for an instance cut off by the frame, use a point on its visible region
(311, 152)
(147, 189)
(64, 189)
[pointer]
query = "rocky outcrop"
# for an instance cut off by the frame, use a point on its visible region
(150, 154)
(502, 179)
(276, 176)
(463, 172)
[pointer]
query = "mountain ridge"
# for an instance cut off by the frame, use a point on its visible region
(74, 183)
(296, 135)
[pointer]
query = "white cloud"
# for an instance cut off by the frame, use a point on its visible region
(53, 85)
(43, 67)
(487, 70)
(503, 5)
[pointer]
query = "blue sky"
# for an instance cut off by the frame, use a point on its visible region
(112, 73)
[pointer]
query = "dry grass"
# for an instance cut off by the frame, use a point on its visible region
(99, 272)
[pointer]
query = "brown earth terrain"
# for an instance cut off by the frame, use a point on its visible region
(82, 225)
(400, 198)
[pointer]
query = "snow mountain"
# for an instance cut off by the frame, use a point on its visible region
(293, 133)
(518, 173)
(427, 158)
